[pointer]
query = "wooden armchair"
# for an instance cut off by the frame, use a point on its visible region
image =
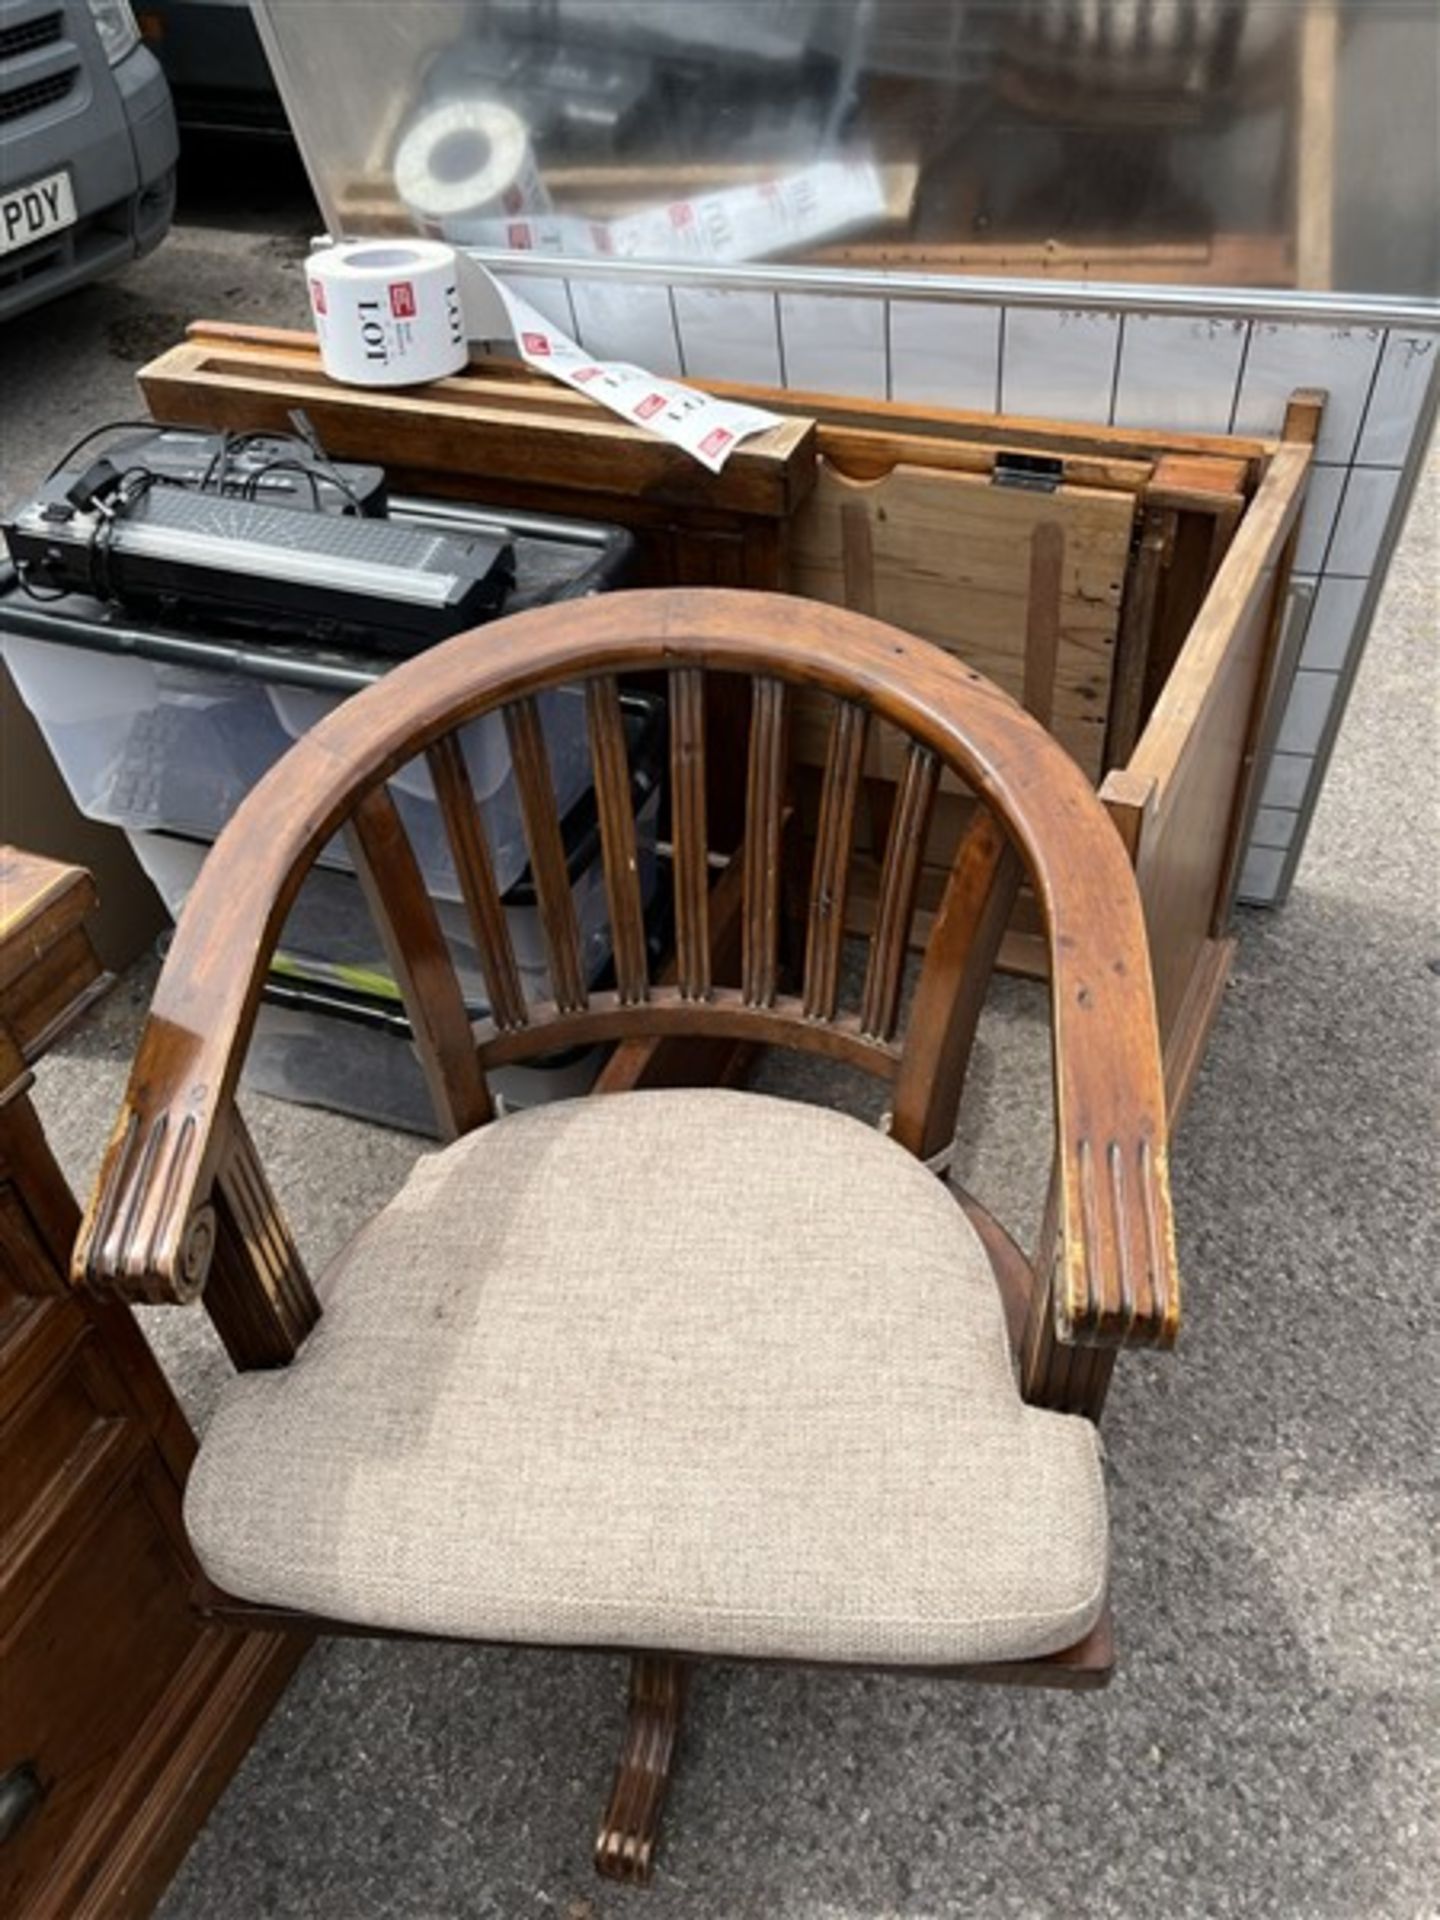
(689, 1372)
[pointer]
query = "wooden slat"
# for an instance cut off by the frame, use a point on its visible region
(722, 1061)
(1070, 438)
(598, 189)
(826, 933)
(904, 854)
(1223, 530)
(688, 832)
(1318, 144)
(548, 866)
(1023, 951)
(857, 558)
(258, 1295)
(420, 960)
(723, 1014)
(1284, 639)
(617, 837)
(868, 453)
(1262, 260)
(1042, 619)
(1185, 1042)
(959, 961)
(764, 803)
(1137, 628)
(527, 435)
(489, 927)
(1188, 481)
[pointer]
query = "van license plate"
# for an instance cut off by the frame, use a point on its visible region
(30, 213)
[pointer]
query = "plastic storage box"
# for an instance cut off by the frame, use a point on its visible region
(332, 1031)
(349, 1058)
(330, 938)
(147, 744)
(156, 728)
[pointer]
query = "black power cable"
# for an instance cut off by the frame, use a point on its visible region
(114, 426)
(308, 457)
(111, 495)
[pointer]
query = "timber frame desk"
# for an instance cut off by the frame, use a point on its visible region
(122, 1714)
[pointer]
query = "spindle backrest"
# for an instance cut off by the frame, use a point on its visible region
(1035, 811)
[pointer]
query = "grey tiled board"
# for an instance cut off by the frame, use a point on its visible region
(1284, 355)
(1364, 513)
(1322, 506)
(1406, 367)
(1332, 623)
(1059, 362)
(729, 334)
(1286, 780)
(944, 355)
(1306, 712)
(1262, 873)
(834, 345)
(1274, 826)
(1179, 371)
(1188, 371)
(637, 324)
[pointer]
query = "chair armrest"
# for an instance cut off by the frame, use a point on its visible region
(148, 1232)
(1116, 1281)
(181, 1207)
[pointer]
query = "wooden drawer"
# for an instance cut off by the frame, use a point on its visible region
(62, 1416)
(26, 1268)
(92, 1654)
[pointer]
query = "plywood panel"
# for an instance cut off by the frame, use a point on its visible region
(947, 556)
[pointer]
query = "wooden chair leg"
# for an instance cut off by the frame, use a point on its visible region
(625, 1844)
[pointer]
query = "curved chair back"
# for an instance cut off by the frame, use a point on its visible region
(146, 1232)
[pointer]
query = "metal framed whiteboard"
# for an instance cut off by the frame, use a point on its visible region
(1162, 213)
(1121, 356)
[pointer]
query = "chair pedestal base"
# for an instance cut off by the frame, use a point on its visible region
(625, 1844)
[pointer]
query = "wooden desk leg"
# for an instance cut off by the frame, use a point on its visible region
(625, 1844)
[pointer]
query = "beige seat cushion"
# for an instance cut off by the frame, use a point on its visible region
(701, 1371)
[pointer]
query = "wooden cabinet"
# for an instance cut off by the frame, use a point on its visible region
(1128, 586)
(121, 1714)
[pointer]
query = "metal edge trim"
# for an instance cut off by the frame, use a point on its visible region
(1251, 303)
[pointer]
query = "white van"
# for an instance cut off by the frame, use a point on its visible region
(87, 146)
